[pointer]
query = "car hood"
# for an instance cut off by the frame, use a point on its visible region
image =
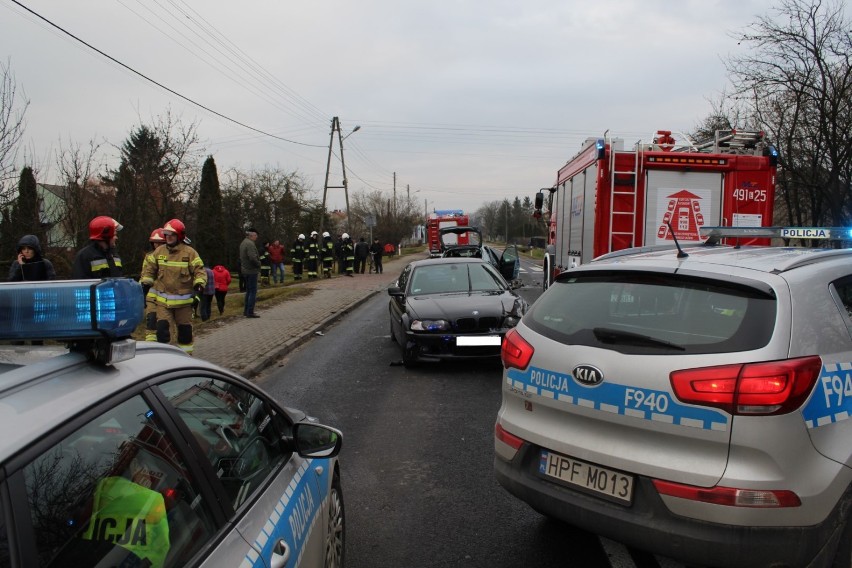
(464, 304)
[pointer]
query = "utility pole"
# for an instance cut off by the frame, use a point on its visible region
(335, 127)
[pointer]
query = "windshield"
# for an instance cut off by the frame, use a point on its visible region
(651, 313)
(455, 277)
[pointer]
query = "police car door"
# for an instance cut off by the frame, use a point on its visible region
(274, 497)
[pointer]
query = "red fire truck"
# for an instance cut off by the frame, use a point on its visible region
(445, 218)
(607, 198)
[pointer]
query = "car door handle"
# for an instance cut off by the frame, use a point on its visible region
(280, 554)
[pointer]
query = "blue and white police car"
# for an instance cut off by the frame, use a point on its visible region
(693, 405)
(115, 453)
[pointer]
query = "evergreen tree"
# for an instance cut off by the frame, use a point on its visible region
(141, 195)
(25, 213)
(211, 237)
(8, 242)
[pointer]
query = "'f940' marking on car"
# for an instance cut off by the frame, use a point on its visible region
(641, 399)
(834, 403)
(626, 400)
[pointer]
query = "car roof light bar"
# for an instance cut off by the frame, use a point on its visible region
(70, 310)
(713, 234)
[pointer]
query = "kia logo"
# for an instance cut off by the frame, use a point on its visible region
(587, 375)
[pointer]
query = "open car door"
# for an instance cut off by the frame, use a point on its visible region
(510, 263)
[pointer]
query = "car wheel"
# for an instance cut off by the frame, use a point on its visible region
(409, 356)
(335, 537)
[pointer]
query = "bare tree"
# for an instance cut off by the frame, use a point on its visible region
(11, 130)
(78, 167)
(274, 201)
(796, 80)
(395, 219)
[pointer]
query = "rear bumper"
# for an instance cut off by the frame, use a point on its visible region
(647, 524)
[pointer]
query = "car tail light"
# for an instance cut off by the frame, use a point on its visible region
(730, 496)
(516, 352)
(772, 387)
(509, 439)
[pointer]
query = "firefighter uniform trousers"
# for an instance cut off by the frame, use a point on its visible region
(327, 257)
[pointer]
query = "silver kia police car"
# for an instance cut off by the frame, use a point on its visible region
(693, 403)
(115, 453)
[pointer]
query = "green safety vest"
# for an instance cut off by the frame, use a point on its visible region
(131, 516)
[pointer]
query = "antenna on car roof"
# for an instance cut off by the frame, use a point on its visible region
(680, 253)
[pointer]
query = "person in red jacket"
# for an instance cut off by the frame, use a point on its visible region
(222, 278)
(276, 258)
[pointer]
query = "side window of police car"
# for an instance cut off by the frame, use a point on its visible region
(843, 294)
(238, 431)
(117, 492)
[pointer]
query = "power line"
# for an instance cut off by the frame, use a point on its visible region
(172, 91)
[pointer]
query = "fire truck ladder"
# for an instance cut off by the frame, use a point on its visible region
(734, 142)
(630, 195)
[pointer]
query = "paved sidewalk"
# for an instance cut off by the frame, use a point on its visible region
(247, 346)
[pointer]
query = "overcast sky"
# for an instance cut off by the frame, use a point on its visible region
(466, 101)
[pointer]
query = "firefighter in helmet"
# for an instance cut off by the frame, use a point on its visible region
(297, 253)
(312, 256)
(348, 254)
(327, 250)
(176, 276)
(99, 259)
(156, 239)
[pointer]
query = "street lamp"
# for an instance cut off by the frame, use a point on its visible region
(354, 130)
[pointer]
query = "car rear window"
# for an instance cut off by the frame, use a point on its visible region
(654, 314)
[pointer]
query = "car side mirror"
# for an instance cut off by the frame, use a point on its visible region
(316, 441)
(395, 291)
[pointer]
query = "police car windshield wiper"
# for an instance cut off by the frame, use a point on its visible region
(609, 335)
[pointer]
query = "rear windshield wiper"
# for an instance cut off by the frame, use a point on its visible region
(609, 335)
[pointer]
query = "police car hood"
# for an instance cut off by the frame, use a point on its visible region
(451, 306)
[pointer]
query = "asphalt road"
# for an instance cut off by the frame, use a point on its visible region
(418, 456)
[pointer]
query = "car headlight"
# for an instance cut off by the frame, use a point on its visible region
(430, 325)
(511, 321)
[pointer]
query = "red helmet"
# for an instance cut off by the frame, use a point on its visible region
(177, 227)
(157, 236)
(103, 228)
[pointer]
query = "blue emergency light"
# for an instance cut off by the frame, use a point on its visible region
(70, 309)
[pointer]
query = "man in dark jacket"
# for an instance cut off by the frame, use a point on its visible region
(30, 265)
(362, 249)
(98, 259)
(376, 251)
(250, 266)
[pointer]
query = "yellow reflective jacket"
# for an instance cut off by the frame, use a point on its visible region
(173, 272)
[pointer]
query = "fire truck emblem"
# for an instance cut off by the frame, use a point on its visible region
(684, 214)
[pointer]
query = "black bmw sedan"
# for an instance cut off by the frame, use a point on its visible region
(451, 308)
